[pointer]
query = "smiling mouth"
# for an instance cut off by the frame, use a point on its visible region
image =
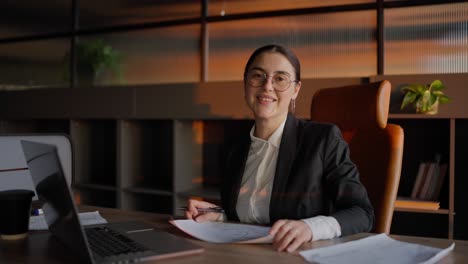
(262, 99)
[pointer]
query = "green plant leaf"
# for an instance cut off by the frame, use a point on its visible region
(437, 85)
(408, 88)
(421, 88)
(444, 99)
(424, 96)
(432, 100)
(408, 99)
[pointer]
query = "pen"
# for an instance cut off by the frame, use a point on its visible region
(37, 212)
(205, 210)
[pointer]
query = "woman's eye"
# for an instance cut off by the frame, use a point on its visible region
(257, 75)
(280, 78)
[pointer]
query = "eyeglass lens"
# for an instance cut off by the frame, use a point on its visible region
(280, 81)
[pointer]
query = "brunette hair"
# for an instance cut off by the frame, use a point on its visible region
(289, 54)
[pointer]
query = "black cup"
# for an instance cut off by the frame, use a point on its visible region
(16, 208)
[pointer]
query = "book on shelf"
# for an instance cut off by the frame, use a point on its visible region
(440, 181)
(408, 203)
(420, 178)
(429, 180)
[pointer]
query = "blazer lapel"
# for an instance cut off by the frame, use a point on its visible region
(286, 157)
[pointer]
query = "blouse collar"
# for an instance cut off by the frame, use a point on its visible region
(274, 139)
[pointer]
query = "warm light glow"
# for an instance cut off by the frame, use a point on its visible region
(231, 7)
(427, 39)
(197, 127)
(328, 45)
(197, 180)
(262, 193)
(243, 190)
(198, 198)
(77, 197)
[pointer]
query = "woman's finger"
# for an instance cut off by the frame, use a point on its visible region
(296, 243)
(188, 215)
(290, 234)
(206, 217)
(286, 239)
(194, 205)
(280, 234)
(276, 226)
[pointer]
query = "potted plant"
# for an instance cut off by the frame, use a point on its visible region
(425, 98)
(93, 59)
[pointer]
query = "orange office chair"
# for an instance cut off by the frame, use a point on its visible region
(361, 112)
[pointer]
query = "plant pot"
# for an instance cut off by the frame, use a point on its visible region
(432, 110)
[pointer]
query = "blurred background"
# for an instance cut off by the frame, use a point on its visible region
(121, 42)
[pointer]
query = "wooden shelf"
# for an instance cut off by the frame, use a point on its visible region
(90, 186)
(425, 211)
(202, 192)
(148, 191)
(418, 116)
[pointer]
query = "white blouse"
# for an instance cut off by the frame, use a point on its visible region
(253, 203)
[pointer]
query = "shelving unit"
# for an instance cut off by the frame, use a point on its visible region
(145, 156)
(426, 136)
(150, 148)
(94, 161)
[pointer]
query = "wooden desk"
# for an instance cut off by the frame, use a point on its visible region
(41, 247)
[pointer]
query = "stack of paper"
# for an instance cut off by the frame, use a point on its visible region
(376, 249)
(220, 232)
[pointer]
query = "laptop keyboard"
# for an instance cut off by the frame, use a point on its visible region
(107, 242)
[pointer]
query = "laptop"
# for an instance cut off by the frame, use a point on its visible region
(123, 242)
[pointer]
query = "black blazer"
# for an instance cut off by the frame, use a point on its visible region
(314, 176)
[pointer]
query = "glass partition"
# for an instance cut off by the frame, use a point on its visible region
(34, 64)
(328, 45)
(230, 7)
(426, 39)
(152, 56)
(105, 13)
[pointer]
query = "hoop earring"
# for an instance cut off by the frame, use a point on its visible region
(292, 106)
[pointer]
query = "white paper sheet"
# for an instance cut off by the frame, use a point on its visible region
(220, 232)
(376, 249)
(89, 218)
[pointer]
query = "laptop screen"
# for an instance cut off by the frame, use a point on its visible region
(52, 189)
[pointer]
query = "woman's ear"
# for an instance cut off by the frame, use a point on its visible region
(297, 88)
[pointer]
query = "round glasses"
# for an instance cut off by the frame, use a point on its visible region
(279, 81)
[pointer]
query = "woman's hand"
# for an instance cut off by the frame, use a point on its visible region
(194, 214)
(290, 234)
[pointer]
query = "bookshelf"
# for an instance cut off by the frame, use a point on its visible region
(151, 147)
(426, 136)
(424, 139)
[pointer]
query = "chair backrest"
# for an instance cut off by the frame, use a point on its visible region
(361, 112)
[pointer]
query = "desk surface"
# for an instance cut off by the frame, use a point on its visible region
(41, 247)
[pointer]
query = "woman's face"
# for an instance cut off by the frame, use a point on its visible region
(265, 102)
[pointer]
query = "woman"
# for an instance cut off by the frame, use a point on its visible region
(294, 174)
